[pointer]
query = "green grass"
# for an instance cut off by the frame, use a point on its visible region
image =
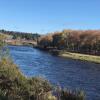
(14, 85)
(83, 57)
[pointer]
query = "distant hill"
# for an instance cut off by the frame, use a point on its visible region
(21, 35)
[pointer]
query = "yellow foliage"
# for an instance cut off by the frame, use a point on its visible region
(2, 37)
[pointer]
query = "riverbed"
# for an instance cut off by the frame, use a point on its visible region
(72, 74)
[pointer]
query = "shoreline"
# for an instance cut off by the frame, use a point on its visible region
(65, 54)
(30, 45)
(75, 56)
(82, 57)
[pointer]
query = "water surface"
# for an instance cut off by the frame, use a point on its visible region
(68, 73)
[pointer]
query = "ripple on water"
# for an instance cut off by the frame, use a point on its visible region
(68, 73)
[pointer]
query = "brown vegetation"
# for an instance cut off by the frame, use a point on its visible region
(74, 41)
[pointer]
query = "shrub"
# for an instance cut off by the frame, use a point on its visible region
(63, 94)
(16, 86)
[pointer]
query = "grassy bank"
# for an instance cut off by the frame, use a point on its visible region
(15, 86)
(78, 56)
(19, 43)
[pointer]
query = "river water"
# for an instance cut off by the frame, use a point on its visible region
(72, 74)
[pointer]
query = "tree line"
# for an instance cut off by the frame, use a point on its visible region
(82, 41)
(21, 35)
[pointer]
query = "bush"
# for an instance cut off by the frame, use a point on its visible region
(16, 86)
(62, 94)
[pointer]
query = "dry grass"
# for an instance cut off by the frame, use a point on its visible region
(14, 85)
(83, 57)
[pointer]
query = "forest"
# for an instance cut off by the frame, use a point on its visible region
(22, 35)
(80, 41)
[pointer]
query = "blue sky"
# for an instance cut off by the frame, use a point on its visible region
(45, 16)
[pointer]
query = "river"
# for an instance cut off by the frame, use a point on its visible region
(72, 74)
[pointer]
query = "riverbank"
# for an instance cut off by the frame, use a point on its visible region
(15, 42)
(15, 86)
(82, 57)
(76, 56)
